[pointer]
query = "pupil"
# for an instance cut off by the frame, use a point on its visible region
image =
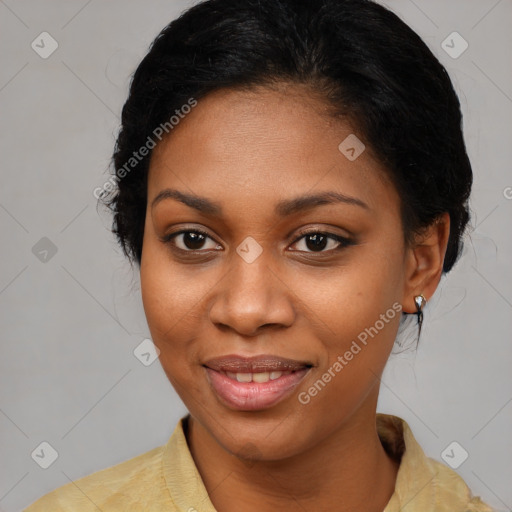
(193, 240)
(319, 242)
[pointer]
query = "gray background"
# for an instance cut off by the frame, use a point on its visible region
(69, 326)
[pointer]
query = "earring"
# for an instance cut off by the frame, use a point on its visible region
(420, 301)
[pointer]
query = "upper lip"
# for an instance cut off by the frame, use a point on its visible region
(255, 364)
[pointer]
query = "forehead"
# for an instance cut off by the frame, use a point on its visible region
(260, 145)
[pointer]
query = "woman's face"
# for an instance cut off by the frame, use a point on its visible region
(274, 338)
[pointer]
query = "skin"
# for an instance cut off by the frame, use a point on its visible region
(246, 151)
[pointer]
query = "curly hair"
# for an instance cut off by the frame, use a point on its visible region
(366, 63)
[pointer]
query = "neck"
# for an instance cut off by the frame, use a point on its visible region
(347, 471)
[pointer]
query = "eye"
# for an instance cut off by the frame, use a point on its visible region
(190, 240)
(317, 241)
(194, 240)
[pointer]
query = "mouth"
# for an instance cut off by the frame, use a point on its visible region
(255, 383)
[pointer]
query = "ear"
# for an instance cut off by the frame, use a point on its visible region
(424, 262)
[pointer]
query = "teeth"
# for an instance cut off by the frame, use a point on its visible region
(256, 377)
(261, 377)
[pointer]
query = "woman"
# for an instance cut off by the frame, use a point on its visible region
(292, 181)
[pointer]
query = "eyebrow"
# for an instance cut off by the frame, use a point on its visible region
(283, 208)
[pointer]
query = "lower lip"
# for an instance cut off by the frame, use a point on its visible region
(254, 396)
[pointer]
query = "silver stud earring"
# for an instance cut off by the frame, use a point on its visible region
(420, 302)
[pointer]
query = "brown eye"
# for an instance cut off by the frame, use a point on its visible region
(317, 241)
(190, 240)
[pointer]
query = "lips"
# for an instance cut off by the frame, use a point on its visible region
(254, 383)
(255, 364)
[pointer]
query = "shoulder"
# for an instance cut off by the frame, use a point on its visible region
(422, 480)
(450, 488)
(135, 482)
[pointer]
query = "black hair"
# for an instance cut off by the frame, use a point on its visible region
(366, 63)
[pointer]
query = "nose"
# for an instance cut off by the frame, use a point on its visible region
(251, 298)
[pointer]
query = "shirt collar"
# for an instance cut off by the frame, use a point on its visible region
(421, 482)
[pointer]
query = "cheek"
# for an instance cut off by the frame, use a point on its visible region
(359, 309)
(168, 305)
(169, 289)
(351, 297)
(170, 296)
(359, 316)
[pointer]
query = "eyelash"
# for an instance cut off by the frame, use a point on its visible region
(343, 241)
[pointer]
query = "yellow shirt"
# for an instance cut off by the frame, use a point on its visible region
(166, 479)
